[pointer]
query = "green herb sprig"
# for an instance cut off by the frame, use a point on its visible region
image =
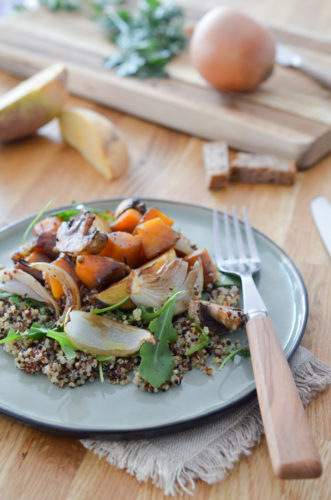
(112, 307)
(157, 361)
(203, 341)
(65, 215)
(243, 352)
(148, 37)
(34, 221)
(38, 332)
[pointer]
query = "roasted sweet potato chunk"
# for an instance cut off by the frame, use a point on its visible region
(152, 213)
(97, 271)
(156, 236)
(123, 247)
(67, 265)
(210, 272)
(127, 221)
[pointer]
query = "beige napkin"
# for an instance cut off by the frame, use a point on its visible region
(207, 452)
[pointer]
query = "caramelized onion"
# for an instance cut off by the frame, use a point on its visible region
(69, 285)
(21, 283)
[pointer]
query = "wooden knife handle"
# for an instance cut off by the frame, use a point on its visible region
(291, 446)
(320, 73)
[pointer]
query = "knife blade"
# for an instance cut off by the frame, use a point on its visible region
(285, 56)
(321, 210)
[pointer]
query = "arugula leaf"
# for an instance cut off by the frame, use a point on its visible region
(65, 215)
(228, 280)
(101, 360)
(38, 332)
(244, 352)
(34, 221)
(111, 308)
(12, 335)
(148, 314)
(17, 299)
(67, 347)
(157, 361)
(204, 340)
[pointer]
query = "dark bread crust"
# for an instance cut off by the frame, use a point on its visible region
(217, 165)
(254, 168)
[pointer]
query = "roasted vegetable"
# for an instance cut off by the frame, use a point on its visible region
(152, 213)
(67, 265)
(74, 237)
(96, 271)
(127, 221)
(99, 335)
(128, 203)
(118, 291)
(123, 247)
(156, 236)
(210, 272)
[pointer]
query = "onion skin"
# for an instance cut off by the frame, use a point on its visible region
(231, 50)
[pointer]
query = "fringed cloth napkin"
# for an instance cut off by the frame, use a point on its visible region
(208, 452)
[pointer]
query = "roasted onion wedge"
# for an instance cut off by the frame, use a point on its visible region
(151, 288)
(69, 285)
(103, 336)
(21, 283)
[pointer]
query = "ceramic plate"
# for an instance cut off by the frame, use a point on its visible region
(99, 410)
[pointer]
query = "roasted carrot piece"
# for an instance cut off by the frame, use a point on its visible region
(127, 221)
(152, 213)
(118, 291)
(210, 272)
(48, 225)
(97, 271)
(67, 265)
(155, 236)
(123, 247)
(38, 256)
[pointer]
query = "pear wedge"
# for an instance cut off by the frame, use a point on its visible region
(32, 103)
(97, 139)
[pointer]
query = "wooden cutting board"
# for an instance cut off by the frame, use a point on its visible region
(289, 115)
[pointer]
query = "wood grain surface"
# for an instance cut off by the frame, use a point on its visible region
(168, 164)
(290, 114)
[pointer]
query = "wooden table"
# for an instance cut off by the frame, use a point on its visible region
(164, 164)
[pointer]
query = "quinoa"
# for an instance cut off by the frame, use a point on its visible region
(46, 357)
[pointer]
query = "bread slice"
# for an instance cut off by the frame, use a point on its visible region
(254, 168)
(217, 165)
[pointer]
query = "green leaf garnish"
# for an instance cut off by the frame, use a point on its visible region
(37, 332)
(243, 352)
(101, 360)
(67, 347)
(148, 37)
(66, 215)
(17, 299)
(34, 221)
(150, 314)
(203, 341)
(157, 361)
(228, 280)
(112, 307)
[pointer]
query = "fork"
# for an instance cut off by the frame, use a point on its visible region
(291, 446)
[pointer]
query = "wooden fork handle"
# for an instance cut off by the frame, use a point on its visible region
(291, 446)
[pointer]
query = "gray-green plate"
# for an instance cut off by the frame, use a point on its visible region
(105, 410)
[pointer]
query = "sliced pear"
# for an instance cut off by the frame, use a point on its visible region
(118, 291)
(97, 139)
(32, 103)
(103, 336)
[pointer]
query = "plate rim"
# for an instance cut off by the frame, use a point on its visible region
(172, 427)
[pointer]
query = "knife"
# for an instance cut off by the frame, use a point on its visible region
(321, 210)
(285, 56)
